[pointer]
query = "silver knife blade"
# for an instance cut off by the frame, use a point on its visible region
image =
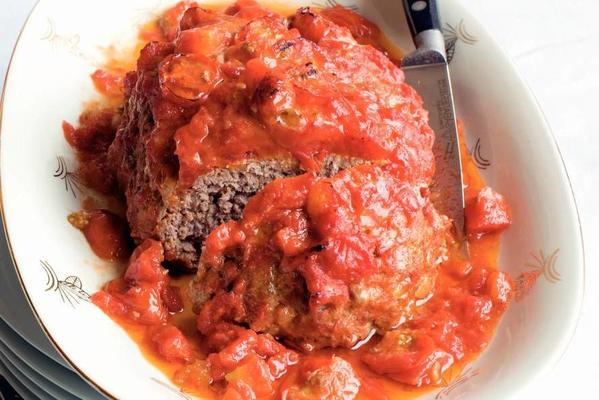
(432, 81)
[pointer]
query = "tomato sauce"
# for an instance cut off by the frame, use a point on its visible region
(326, 230)
(470, 294)
(106, 233)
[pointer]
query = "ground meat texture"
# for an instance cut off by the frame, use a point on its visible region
(220, 196)
(321, 262)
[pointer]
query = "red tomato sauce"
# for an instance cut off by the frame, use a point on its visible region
(106, 233)
(456, 324)
(332, 232)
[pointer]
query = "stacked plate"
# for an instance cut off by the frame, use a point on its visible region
(28, 361)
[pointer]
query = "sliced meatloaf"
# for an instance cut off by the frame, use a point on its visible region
(186, 218)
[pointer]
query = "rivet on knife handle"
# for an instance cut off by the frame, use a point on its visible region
(422, 15)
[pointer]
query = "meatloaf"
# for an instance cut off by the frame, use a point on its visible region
(227, 102)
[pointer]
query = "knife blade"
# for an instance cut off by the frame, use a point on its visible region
(426, 70)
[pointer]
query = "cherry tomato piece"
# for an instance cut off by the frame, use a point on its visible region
(188, 77)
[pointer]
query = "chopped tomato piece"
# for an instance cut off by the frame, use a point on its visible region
(487, 213)
(136, 303)
(253, 372)
(500, 287)
(171, 344)
(170, 21)
(141, 290)
(110, 84)
(238, 344)
(209, 40)
(195, 375)
(323, 378)
(69, 133)
(476, 308)
(151, 56)
(145, 265)
(477, 280)
(197, 17)
(144, 304)
(280, 362)
(411, 360)
(106, 233)
(248, 362)
(109, 304)
(364, 31)
(248, 9)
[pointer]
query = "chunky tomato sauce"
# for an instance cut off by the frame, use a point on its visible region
(452, 328)
(259, 89)
(342, 287)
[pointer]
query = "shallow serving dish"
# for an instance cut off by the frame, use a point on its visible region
(48, 81)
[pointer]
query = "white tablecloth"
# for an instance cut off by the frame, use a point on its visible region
(555, 44)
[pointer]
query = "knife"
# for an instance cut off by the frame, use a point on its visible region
(426, 70)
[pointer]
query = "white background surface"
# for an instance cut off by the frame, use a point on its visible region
(555, 44)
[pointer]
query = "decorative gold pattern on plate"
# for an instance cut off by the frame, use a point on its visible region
(455, 33)
(70, 289)
(70, 179)
(333, 3)
(539, 266)
(479, 160)
(178, 392)
(451, 383)
(69, 43)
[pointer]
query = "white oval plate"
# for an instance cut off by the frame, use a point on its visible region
(48, 81)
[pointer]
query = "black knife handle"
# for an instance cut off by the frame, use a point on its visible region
(422, 15)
